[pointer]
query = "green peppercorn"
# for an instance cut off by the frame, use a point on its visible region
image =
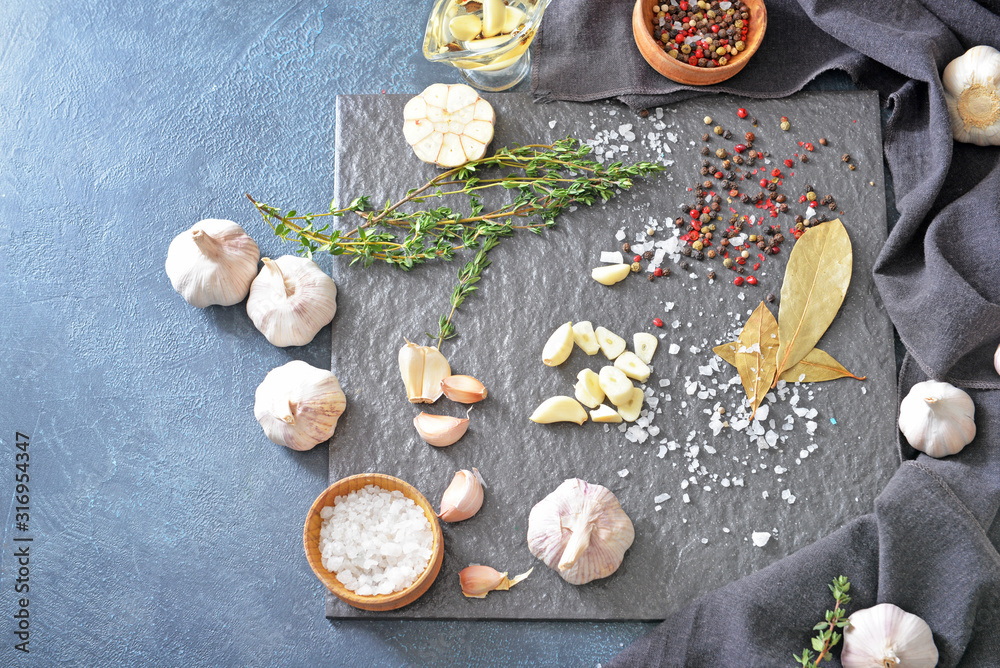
(636, 267)
(745, 253)
(752, 237)
(704, 218)
(673, 53)
(811, 196)
(698, 245)
(686, 49)
(727, 263)
(723, 61)
(708, 120)
(740, 45)
(718, 130)
(785, 125)
(711, 228)
(721, 153)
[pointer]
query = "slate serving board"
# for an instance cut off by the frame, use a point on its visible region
(682, 549)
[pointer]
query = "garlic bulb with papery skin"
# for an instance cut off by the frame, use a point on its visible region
(463, 498)
(937, 418)
(972, 92)
(214, 262)
(996, 360)
(887, 636)
(291, 300)
(298, 405)
(581, 531)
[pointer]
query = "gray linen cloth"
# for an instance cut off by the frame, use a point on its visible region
(930, 545)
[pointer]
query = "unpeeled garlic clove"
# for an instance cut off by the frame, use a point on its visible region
(559, 409)
(463, 389)
(291, 300)
(478, 581)
(298, 405)
(214, 262)
(463, 498)
(423, 369)
(440, 430)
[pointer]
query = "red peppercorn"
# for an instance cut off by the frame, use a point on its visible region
(784, 118)
(802, 198)
(694, 212)
(763, 183)
(775, 172)
(789, 163)
(718, 175)
(657, 272)
(756, 266)
(734, 192)
(706, 209)
(739, 148)
(741, 260)
(680, 37)
(741, 112)
(752, 280)
(699, 53)
(693, 60)
(657, 321)
(812, 205)
(775, 248)
(738, 281)
(683, 5)
(637, 258)
(809, 147)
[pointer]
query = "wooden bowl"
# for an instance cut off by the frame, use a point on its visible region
(642, 30)
(310, 537)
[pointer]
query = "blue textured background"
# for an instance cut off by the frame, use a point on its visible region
(167, 528)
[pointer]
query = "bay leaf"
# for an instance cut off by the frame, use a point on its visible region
(727, 351)
(756, 355)
(815, 283)
(816, 367)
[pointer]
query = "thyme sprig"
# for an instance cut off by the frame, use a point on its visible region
(545, 179)
(827, 636)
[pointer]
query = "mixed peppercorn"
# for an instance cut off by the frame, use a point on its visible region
(702, 33)
(740, 241)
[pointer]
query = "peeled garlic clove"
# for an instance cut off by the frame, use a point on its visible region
(937, 418)
(616, 385)
(630, 409)
(606, 414)
(632, 366)
(214, 262)
(298, 405)
(513, 18)
(463, 389)
(611, 344)
(291, 300)
(559, 409)
(440, 430)
(580, 531)
(465, 27)
(478, 581)
(423, 369)
(644, 344)
(463, 498)
(886, 635)
(448, 125)
(583, 336)
(494, 15)
(610, 274)
(972, 93)
(559, 346)
(588, 389)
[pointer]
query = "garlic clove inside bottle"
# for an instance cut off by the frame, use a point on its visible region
(886, 635)
(581, 531)
(298, 405)
(214, 262)
(937, 418)
(972, 92)
(291, 300)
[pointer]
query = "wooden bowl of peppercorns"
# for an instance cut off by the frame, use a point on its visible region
(714, 41)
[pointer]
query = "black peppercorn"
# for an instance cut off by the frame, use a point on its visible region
(704, 171)
(686, 251)
(698, 255)
(711, 275)
(708, 185)
(704, 137)
(770, 297)
(706, 163)
(772, 186)
(745, 198)
(626, 247)
(704, 150)
(779, 199)
(761, 244)
(727, 135)
(804, 158)
(650, 277)
(738, 159)
(715, 205)
(778, 238)
(846, 157)
(822, 141)
(648, 255)
(832, 206)
(685, 266)
(749, 136)
(666, 271)
(740, 269)
(783, 208)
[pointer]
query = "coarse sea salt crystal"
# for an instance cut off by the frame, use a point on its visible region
(660, 498)
(674, 348)
(623, 473)
(612, 256)
(760, 538)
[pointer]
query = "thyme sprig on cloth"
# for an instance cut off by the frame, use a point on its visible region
(545, 179)
(827, 636)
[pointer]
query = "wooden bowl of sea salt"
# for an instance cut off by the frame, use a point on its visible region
(353, 524)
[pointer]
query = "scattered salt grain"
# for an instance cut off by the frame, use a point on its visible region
(623, 473)
(760, 538)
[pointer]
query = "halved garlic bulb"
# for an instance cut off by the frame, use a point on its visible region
(448, 125)
(580, 530)
(214, 262)
(937, 418)
(298, 405)
(886, 635)
(972, 93)
(291, 300)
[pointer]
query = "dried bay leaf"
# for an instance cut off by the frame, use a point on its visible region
(815, 283)
(756, 355)
(727, 351)
(816, 367)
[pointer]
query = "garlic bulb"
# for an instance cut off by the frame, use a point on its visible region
(463, 498)
(214, 262)
(448, 125)
(937, 418)
(478, 581)
(581, 531)
(291, 300)
(972, 93)
(298, 405)
(996, 360)
(886, 636)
